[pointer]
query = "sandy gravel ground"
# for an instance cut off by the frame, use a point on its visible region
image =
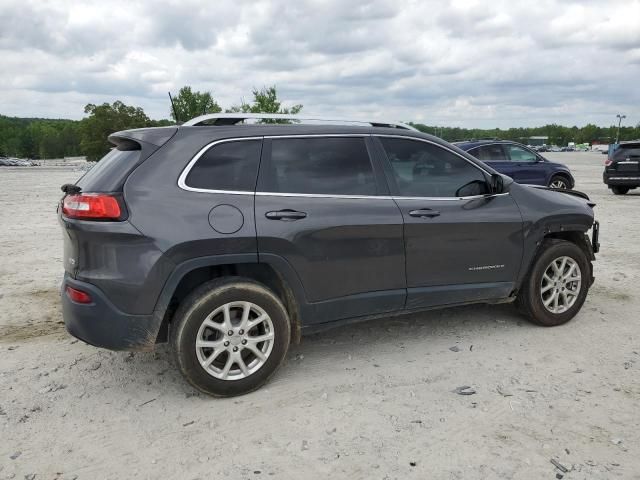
(372, 400)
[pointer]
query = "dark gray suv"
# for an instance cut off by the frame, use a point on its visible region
(231, 240)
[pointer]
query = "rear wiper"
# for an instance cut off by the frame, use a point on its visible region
(70, 188)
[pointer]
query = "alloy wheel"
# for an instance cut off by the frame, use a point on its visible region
(235, 340)
(558, 183)
(561, 284)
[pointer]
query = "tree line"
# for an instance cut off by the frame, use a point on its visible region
(56, 138)
(558, 134)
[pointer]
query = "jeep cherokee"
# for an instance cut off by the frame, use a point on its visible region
(230, 240)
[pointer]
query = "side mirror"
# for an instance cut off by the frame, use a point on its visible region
(496, 185)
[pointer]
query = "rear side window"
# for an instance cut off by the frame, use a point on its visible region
(231, 166)
(327, 165)
(109, 171)
(422, 169)
(488, 152)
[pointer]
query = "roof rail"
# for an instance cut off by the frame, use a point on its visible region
(234, 118)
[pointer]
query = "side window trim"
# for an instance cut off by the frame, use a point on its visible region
(185, 172)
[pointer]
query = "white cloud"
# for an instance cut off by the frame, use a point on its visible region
(465, 62)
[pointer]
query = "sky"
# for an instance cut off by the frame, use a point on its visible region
(456, 63)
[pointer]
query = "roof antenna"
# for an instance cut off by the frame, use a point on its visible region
(175, 114)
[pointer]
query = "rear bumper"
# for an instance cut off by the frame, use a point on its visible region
(622, 180)
(101, 324)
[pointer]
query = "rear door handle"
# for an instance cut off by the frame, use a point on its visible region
(424, 213)
(286, 215)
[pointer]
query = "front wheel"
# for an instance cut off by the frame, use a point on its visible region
(557, 285)
(229, 336)
(558, 181)
(619, 190)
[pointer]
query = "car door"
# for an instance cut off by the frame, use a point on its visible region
(528, 167)
(322, 205)
(494, 155)
(462, 244)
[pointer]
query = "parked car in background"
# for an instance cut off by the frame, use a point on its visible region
(520, 163)
(622, 167)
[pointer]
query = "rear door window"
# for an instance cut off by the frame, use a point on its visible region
(489, 152)
(228, 166)
(323, 165)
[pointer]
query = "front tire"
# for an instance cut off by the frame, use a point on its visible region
(557, 285)
(229, 336)
(619, 190)
(559, 181)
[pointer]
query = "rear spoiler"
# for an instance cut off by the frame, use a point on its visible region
(136, 138)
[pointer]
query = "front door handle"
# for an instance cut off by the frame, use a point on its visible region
(286, 215)
(424, 213)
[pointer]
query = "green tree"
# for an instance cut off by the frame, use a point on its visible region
(265, 101)
(102, 121)
(189, 104)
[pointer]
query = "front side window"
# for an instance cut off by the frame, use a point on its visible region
(323, 165)
(489, 152)
(231, 166)
(423, 169)
(519, 154)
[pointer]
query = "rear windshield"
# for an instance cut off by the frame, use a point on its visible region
(109, 171)
(628, 150)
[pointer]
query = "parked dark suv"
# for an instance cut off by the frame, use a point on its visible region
(231, 240)
(520, 163)
(622, 167)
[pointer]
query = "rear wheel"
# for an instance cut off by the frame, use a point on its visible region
(229, 336)
(559, 181)
(557, 285)
(619, 190)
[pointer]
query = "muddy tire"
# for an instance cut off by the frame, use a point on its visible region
(557, 284)
(229, 336)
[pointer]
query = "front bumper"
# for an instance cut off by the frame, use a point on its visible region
(595, 236)
(101, 324)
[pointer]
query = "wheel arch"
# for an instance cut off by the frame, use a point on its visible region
(273, 272)
(577, 237)
(563, 174)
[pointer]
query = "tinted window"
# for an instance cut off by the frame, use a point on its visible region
(425, 170)
(109, 170)
(488, 152)
(628, 150)
(227, 166)
(332, 166)
(519, 154)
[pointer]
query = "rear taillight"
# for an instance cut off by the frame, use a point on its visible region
(78, 296)
(91, 206)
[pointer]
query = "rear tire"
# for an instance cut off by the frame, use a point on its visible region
(619, 190)
(559, 181)
(229, 336)
(557, 284)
